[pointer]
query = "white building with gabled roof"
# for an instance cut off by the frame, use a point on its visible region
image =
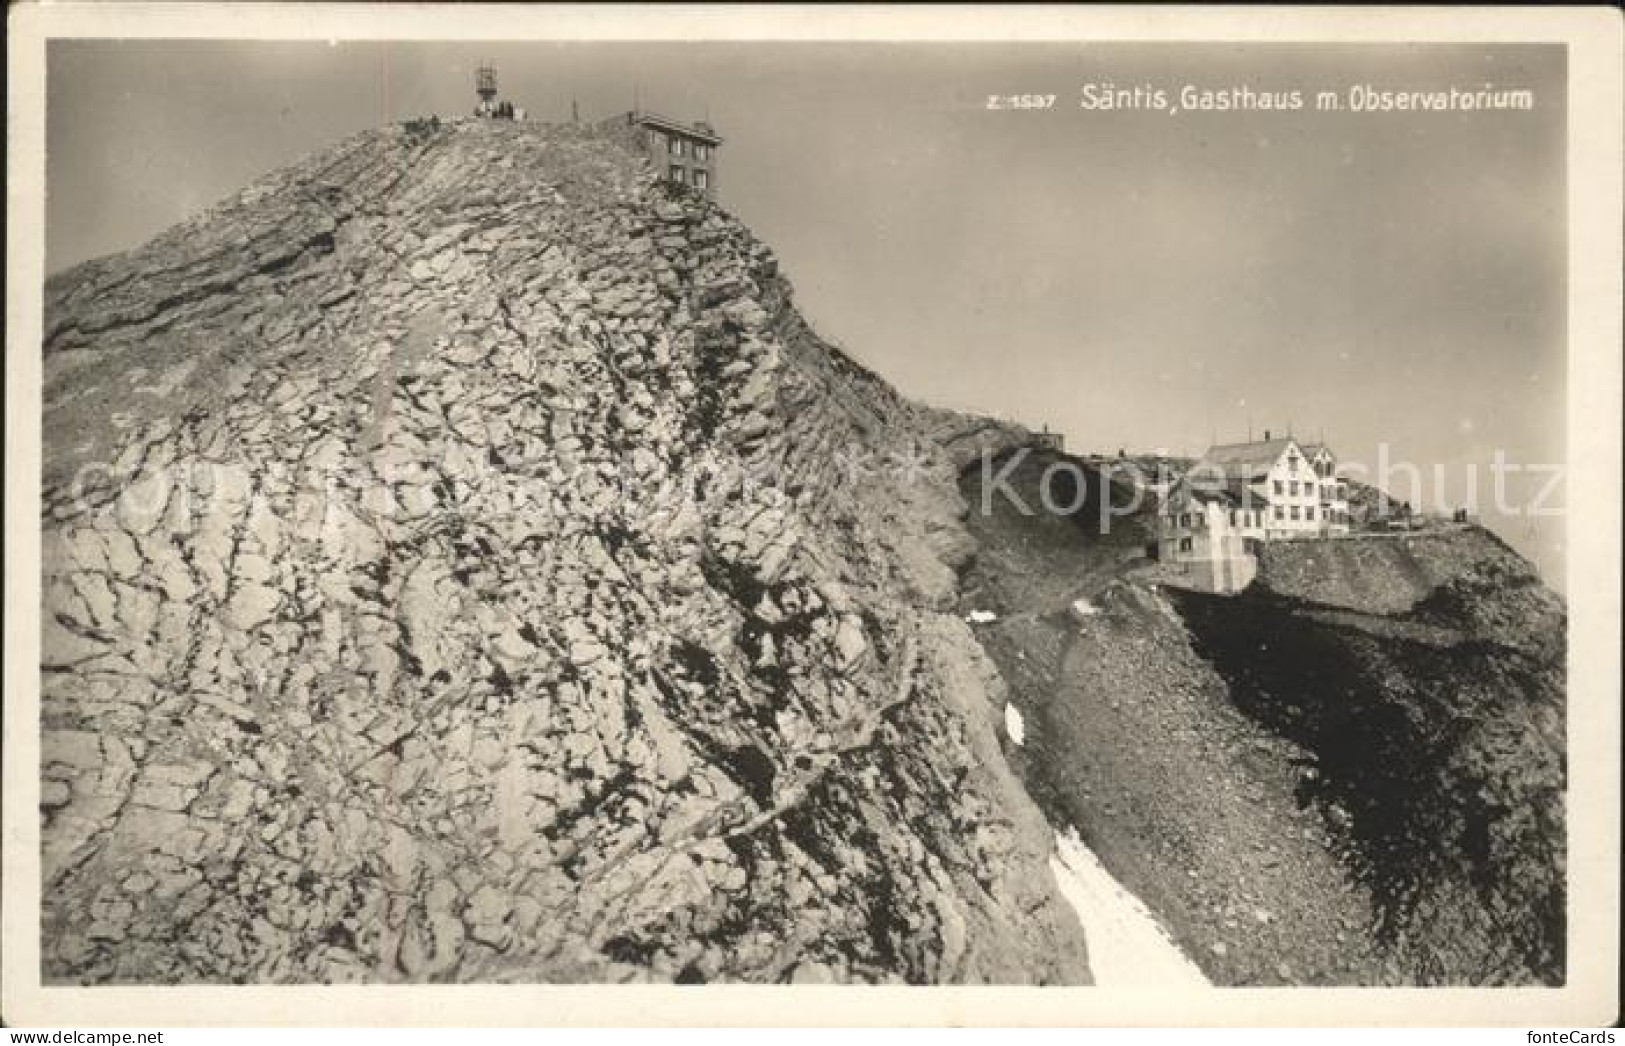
(1242, 494)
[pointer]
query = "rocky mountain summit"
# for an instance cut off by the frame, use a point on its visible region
(462, 563)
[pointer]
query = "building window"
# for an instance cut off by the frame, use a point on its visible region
(1294, 487)
(676, 145)
(1309, 513)
(1184, 544)
(677, 173)
(1279, 512)
(702, 179)
(1294, 512)
(1280, 488)
(701, 151)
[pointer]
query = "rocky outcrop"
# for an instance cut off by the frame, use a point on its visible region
(462, 563)
(1384, 573)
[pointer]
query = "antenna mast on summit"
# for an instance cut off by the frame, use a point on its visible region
(485, 85)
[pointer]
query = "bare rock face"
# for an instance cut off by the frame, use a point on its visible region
(462, 563)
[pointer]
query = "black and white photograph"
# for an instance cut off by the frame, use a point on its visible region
(693, 507)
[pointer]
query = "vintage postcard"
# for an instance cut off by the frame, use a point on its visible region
(532, 514)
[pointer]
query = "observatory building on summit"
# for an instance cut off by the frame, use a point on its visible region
(683, 153)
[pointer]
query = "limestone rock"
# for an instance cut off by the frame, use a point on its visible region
(489, 598)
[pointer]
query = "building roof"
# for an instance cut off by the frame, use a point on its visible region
(702, 131)
(1230, 456)
(1222, 496)
(1236, 493)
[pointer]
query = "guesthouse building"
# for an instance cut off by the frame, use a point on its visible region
(1238, 496)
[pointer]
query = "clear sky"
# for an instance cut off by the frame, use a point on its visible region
(1134, 278)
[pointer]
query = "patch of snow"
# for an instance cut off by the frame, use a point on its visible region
(981, 617)
(1084, 608)
(1127, 946)
(1014, 725)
